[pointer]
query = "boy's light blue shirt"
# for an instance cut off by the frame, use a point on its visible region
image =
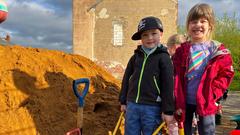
(149, 51)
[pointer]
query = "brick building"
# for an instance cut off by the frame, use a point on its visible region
(102, 29)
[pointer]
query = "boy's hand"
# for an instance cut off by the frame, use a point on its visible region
(123, 108)
(167, 118)
(171, 124)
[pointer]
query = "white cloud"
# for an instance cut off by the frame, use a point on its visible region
(39, 25)
(40, 38)
(69, 47)
(36, 7)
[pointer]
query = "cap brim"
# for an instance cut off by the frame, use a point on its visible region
(137, 36)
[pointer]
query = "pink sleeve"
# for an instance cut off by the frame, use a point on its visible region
(178, 75)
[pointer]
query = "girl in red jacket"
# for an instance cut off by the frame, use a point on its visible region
(202, 70)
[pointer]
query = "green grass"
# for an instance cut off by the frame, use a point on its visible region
(227, 31)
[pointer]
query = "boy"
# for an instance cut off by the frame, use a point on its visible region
(147, 85)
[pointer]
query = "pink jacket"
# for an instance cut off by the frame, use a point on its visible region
(216, 78)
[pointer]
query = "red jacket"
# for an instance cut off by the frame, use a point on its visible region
(216, 78)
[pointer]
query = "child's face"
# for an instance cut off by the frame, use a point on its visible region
(151, 38)
(198, 30)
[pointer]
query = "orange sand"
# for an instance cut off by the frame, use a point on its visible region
(36, 96)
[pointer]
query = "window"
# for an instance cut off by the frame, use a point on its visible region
(117, 33)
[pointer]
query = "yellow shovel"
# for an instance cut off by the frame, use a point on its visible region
(120, 120)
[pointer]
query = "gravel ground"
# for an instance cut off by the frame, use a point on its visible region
(231, 107)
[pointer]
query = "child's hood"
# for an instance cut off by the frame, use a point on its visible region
(219, 49)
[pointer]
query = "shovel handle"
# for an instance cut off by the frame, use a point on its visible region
(80, 118)
(82, 95)
(118, 123)
(158, 129)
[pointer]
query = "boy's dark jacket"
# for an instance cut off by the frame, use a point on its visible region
(148, 78)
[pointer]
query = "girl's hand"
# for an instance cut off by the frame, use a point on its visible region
(123, 108)
(179, 112)
(179, 115)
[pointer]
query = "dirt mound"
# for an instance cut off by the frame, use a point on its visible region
(36, 95)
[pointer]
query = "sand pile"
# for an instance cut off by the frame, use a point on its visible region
(36, 95)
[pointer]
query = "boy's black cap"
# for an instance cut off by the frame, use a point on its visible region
(147, 24)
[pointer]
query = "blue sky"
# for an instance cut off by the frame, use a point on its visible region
(48, 23)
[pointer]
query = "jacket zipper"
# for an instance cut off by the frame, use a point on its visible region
(140, 79)
(155, 81)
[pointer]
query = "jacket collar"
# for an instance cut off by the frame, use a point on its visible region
(219, 49)
(159, 49)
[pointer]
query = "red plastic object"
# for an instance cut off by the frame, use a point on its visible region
(3, 16)
(75, 131)
(235, 132)
(3, 11)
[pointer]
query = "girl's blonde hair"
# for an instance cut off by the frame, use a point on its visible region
(205, 11)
